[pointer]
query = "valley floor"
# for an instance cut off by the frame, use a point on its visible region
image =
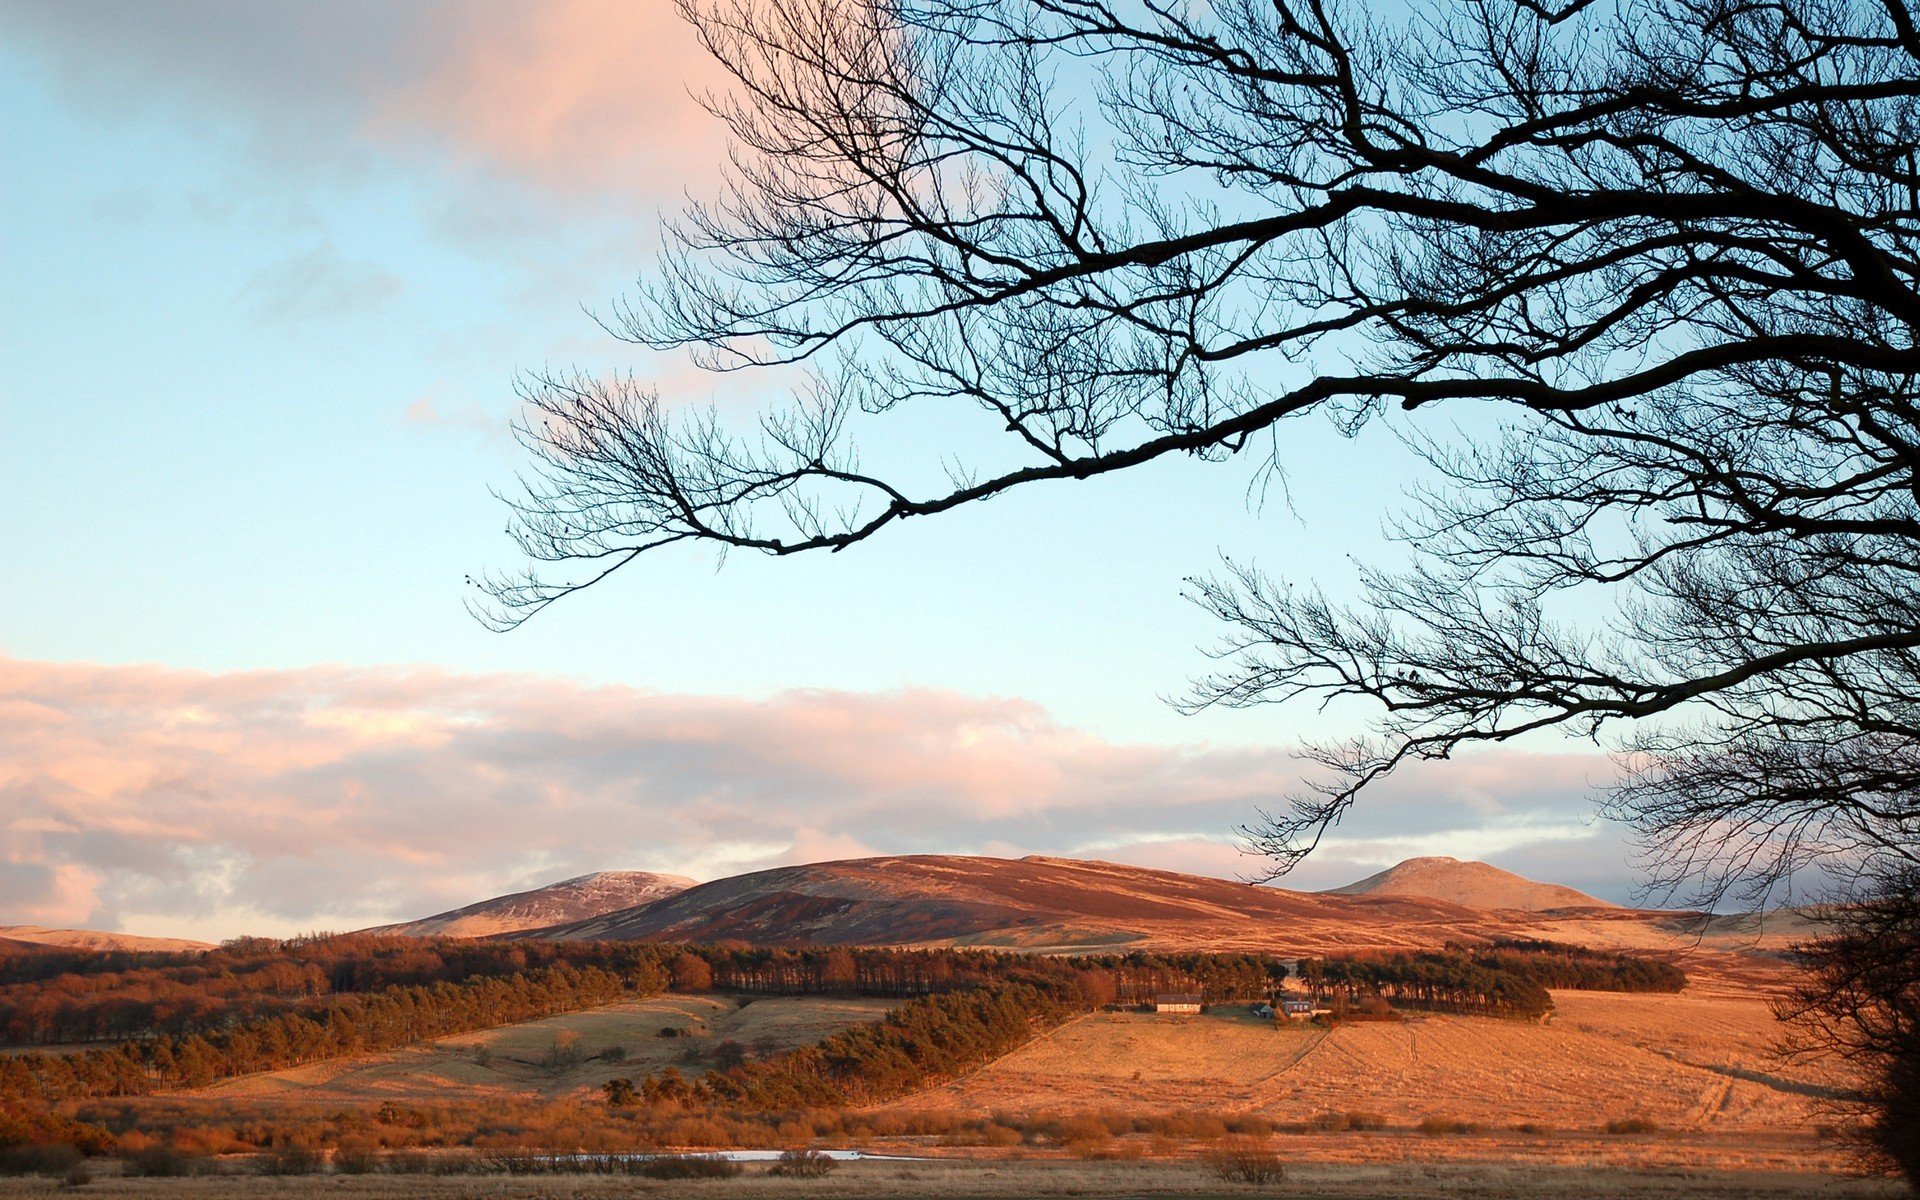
(1696, 1063)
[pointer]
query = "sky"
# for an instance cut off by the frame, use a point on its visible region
(268, 273)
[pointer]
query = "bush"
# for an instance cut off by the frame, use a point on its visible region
(1249, 1163)
(1632, 1125)
(164, 1162)
(688, 1166)
(1337, 1122)
(418, 1162)
(1439, 1126)
(803, 1164)
(289, 1160)
(54, 1160)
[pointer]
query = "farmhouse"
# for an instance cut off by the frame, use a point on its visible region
(1295, 1010)
(1176, 1002)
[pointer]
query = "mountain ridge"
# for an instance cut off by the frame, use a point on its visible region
(1040, 903)
(1472, 883)
(579, 898)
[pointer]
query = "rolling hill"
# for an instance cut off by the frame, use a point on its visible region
(1474, 884)
(578, 899)
(95, 939)
(1062, 905)
(1035, 903)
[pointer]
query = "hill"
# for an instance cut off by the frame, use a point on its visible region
(1032, 903)
(576, 899)
(1474, 884)
(94, 939)
(1040, 904)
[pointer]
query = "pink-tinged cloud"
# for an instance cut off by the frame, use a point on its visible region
(575, 96)
(571, 93)
(211, 804)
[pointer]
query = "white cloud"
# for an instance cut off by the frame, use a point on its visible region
(274, 801)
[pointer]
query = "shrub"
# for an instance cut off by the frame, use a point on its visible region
(688, 1166)
(803, 1164)
(1632, 1125)
(620, 1093)
(164, 1162)
(289, 1160)
(1246, 1163)
(1337, 1122)
(1438, 1126)
(22, 1159)
(355, 1160)
(78, 1175)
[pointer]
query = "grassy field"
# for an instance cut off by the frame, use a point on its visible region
(1699, 1071)
(1699, 1064)
(1006, 1180)
(1696, 1070)
(565, 1055)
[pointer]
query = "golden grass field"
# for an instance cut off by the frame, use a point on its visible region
(1687, 1063)
(1018, 1180)
(560, 1056)
(1700, 1066)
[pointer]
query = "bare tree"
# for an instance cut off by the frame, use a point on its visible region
(1667, 250)
(1858, 1002)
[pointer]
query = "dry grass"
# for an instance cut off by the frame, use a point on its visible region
(1688, 1064)
(560, 1056)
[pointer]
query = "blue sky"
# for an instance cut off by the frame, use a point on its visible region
(267, 275)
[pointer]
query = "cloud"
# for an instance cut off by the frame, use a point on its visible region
(319, 283)
(431, 410)
(273, 801)
(574, 96)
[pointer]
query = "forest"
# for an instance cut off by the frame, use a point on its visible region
(1508, 979)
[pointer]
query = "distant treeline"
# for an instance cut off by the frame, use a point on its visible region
(346, 1024)
(120, 994)
(918, 1045)
(1507, 979)
(185, 1021)
(1556, 965)
(134, 996)
(1133, 978)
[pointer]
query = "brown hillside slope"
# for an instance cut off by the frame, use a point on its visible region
(577, 899)
(1474, 884)
(1042, 904)
(95, 939)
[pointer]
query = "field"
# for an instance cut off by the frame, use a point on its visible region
(1020, 1180)
(1698, 1068)
(561, 1056)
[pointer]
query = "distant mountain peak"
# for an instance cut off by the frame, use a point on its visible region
(1469, 883)
(97, 940)
(580, 898)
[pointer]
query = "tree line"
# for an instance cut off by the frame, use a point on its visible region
(1558, 965)
(121, 995)
(134, 996)
(347, 1024)
(1508, 979)
(1131, 978)
(918, 1045)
